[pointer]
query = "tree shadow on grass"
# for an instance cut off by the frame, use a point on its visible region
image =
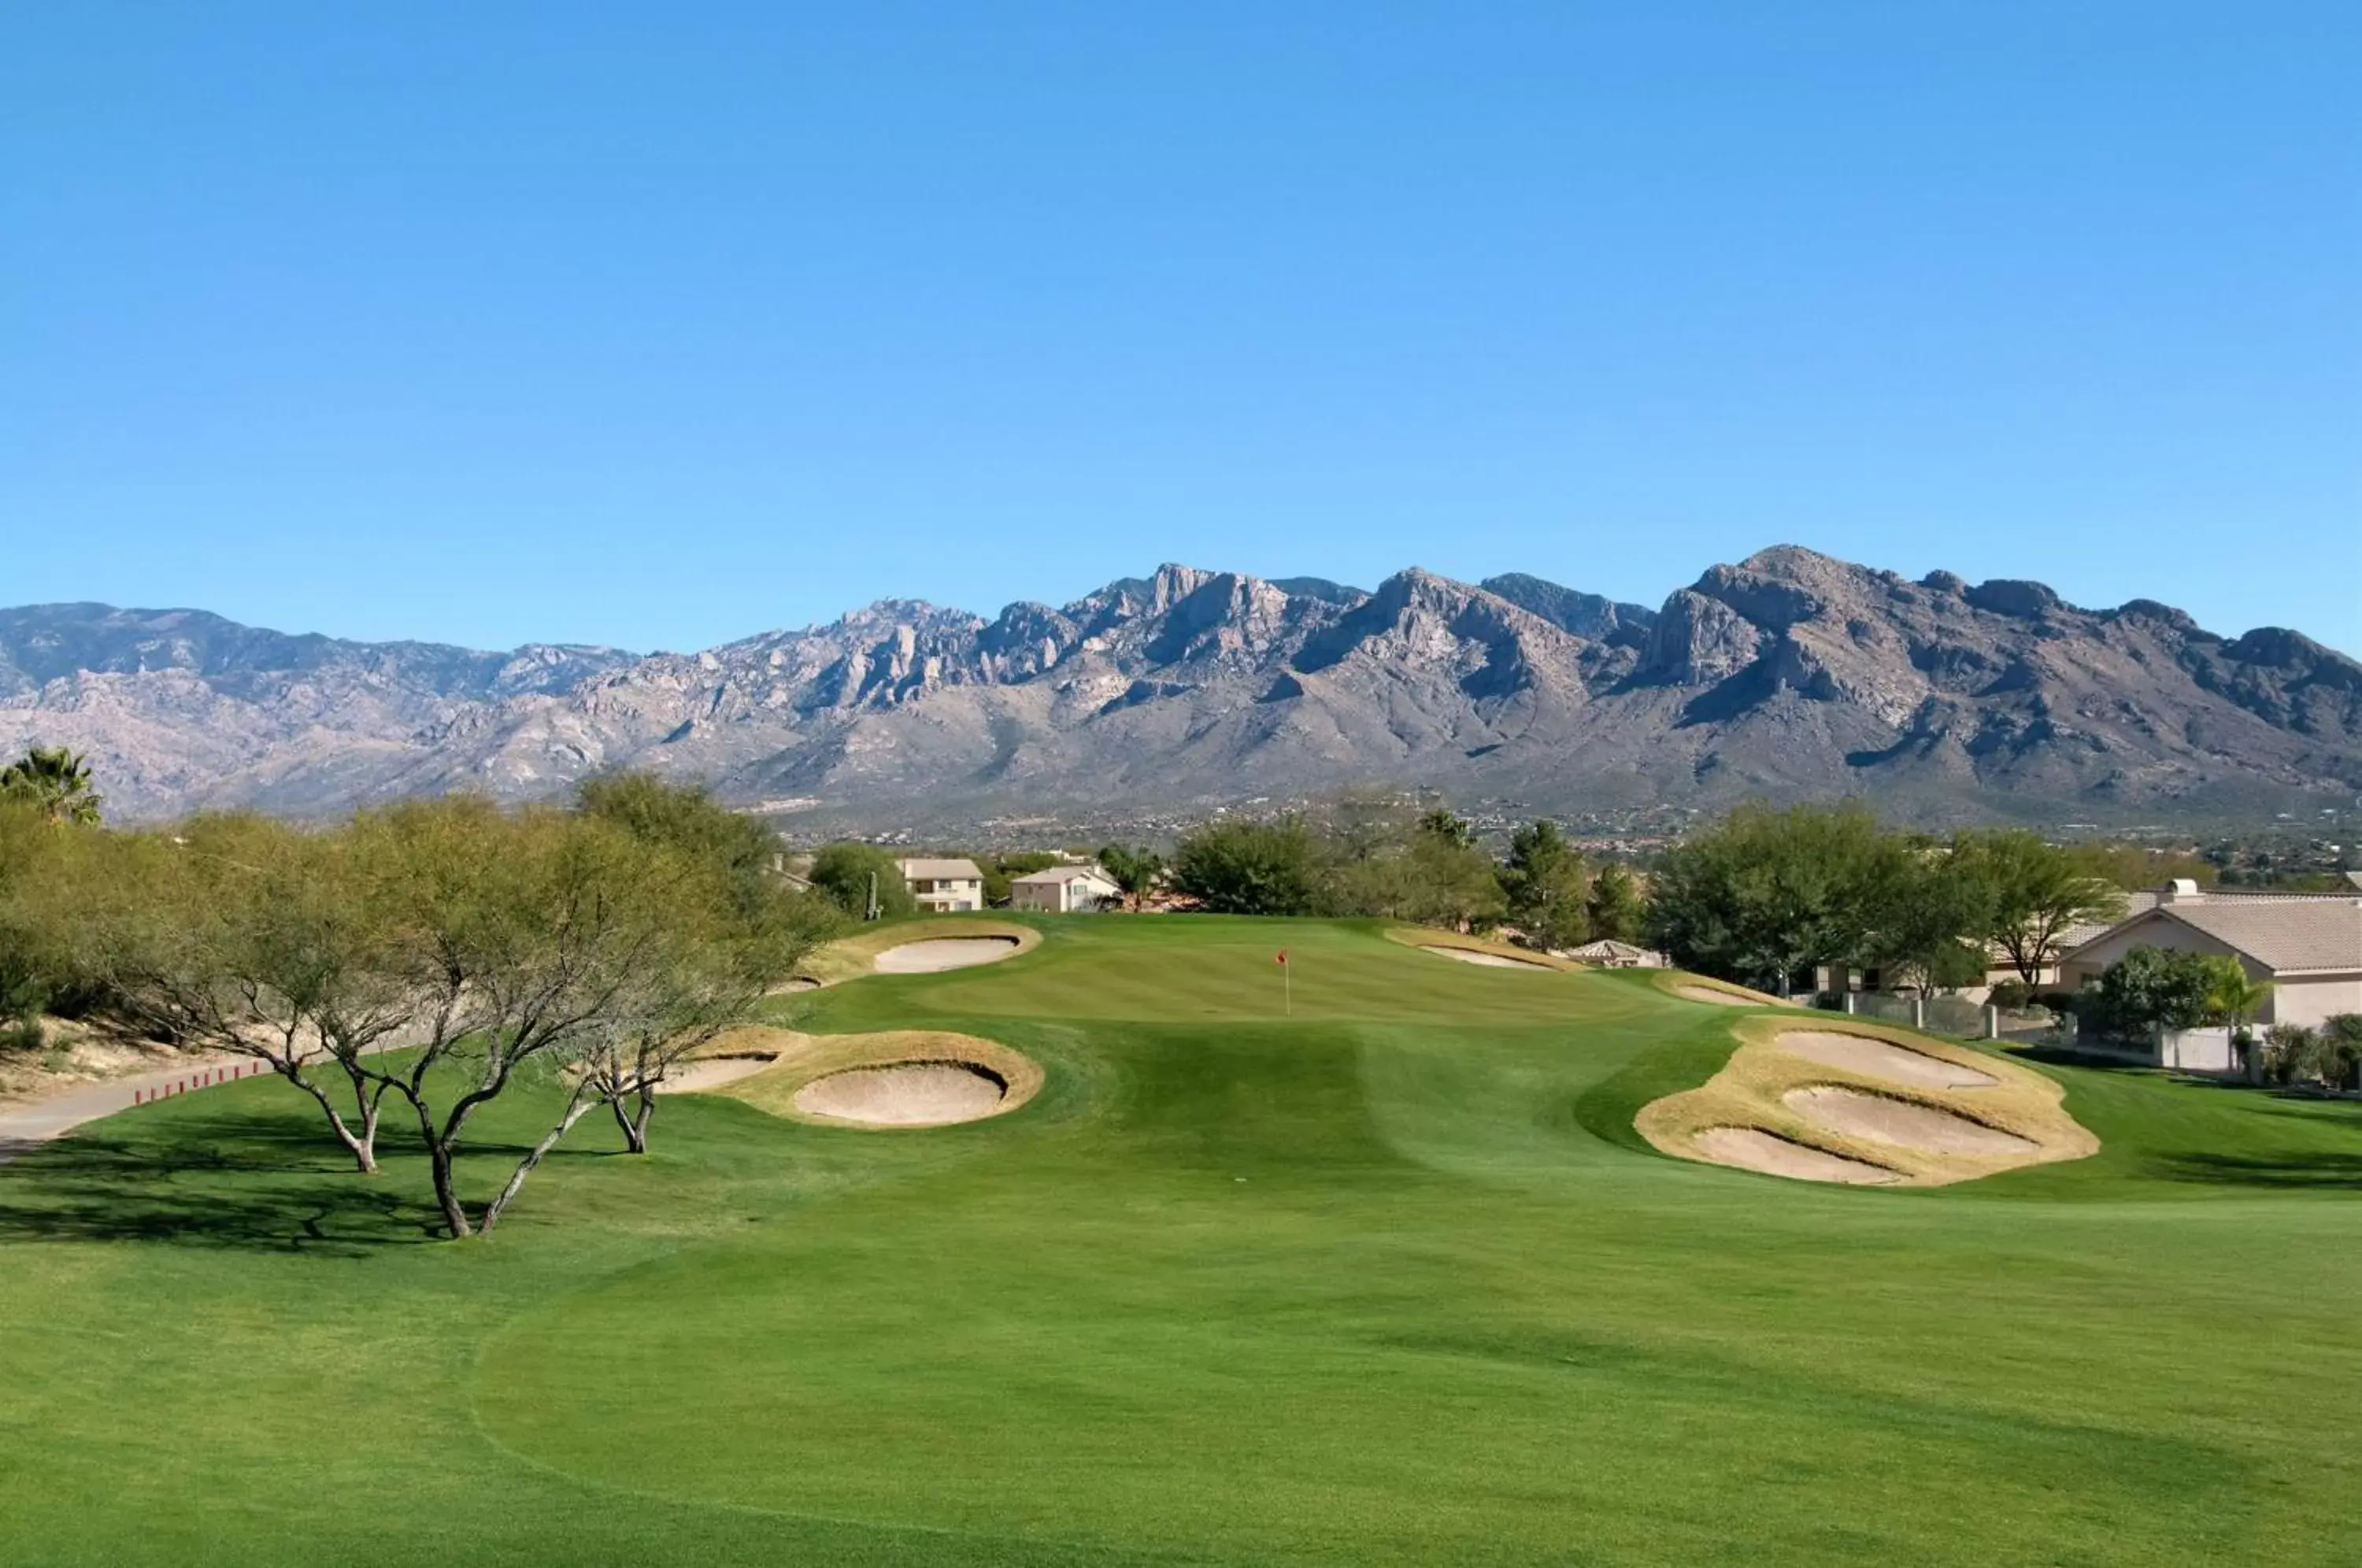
(2318, 1172)
(239, 1182)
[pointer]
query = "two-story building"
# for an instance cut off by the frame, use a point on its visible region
(1063, 890)
(944, 886)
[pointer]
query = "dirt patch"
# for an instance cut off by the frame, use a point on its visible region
(1877, 1058)
(1478, 956)
(1904, 1124)
(905, 1094)
(934, 954)
(1752, 1149)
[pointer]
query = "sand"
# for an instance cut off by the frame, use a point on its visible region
(905, 1094)
(1751, 1148)
(710, 1072)
(1716, 996)
(931, 955)
(1491, 960)
(1880, 1059)
(1904, 1123)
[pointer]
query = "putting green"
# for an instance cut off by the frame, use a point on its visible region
(1391, 1280)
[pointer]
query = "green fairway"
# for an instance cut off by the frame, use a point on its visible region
(1386, 1280)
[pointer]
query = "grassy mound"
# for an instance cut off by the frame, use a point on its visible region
(1390, 1281)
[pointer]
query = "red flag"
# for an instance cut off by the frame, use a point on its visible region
(1283, 955)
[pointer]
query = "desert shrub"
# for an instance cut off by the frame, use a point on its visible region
(2012, 996)
(2291, 1054)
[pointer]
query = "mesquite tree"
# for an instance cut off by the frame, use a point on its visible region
(248, 937)
(518, 934)
(2034, 894)
(739, 930)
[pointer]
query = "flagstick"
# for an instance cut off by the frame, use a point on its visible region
(1287, 988)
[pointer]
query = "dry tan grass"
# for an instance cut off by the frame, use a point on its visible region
(1752, 1090)
(856, 956)
(801, 1058)
(1424, 937)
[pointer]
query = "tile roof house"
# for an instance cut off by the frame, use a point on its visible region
(2307, 946)
(944, 886)
(1062, 889)
(1610, 953)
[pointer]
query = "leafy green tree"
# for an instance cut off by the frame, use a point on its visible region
(1614, 910)
(2150, 989)
(1765, 893)
(999, 870)
(1446, 881)
(1133, 868)
(1249, 868)
(846, 873)
(1546, 888)
(2032, 894)
(1930, 918)
(1449, 827)
(54, 780)
(688, 818)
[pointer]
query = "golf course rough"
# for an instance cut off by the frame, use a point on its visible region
(1390, 1281)
(1865, 1106)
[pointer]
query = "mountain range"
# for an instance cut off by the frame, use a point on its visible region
(1789, 674)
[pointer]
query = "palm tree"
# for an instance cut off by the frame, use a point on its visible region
(2234, 998)
(53, 779)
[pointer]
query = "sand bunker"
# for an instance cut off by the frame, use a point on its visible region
(710, 1072)
(905, 1094)
(1717, 997)
(1752, 1149)
(1881, 1059)
(1774, 1107)
(935, 953)
(1904, 1123)
(1477, 956)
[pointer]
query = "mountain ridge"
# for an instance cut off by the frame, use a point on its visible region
(1790, 674)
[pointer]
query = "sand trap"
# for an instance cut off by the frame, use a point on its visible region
(802, 983)
(1490, 960)
(1752, 1149)
(1880, 1059)
(905, 1094)
(935, 953)
(710, 1072)
(1906, 1124)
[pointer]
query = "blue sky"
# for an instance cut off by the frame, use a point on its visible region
(661, 324)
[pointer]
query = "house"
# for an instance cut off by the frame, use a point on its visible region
(2307, 946)
(1609, 954)
(1063, 890)
(944, 886)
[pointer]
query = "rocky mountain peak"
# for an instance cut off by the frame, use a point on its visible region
(1789, 673)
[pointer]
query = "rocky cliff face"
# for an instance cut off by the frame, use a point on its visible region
(1787, 674)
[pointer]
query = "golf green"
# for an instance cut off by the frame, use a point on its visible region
(1385, 1279)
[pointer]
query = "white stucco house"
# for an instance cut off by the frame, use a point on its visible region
(1063, 890)
(944, 886)
(2308, 946)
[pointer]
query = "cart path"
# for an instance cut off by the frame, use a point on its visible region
(28, 1123)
